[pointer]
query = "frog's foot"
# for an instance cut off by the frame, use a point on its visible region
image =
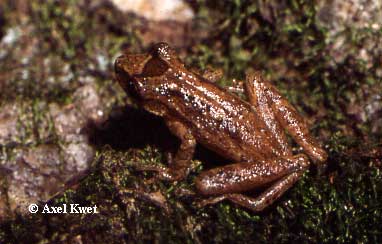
(210, 201)
(156, 198)
(164, 173)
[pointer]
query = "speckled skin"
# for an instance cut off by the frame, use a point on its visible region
(249, 133)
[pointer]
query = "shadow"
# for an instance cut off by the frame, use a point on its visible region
(133, 128)
(136, 128)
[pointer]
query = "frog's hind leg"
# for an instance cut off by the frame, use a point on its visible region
(262, 201)
(256, 92)
(232, 179)
(261, 92)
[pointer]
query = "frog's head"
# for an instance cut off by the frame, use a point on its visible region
(132, 69)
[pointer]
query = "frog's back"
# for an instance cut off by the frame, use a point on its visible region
(219, 120)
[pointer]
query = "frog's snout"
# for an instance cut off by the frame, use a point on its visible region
(130, 64)
(123, 64)
(118, 65)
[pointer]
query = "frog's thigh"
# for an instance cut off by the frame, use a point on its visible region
(289, 118)
(231, 179)
(256, 93)
(186, 149)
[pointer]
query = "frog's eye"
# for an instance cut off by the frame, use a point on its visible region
(155, 67)
(162, 50)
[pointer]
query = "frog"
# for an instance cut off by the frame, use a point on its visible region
(252, 133)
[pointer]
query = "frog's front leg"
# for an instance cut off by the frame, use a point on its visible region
(232, 179)
(180, 165)
(215, 75)
(212, 75)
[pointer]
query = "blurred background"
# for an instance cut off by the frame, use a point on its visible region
(68, 131)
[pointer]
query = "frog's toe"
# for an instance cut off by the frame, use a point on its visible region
(157, 198)
(210, 201)
(163, 173)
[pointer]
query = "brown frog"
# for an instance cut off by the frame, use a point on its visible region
(250, 133)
